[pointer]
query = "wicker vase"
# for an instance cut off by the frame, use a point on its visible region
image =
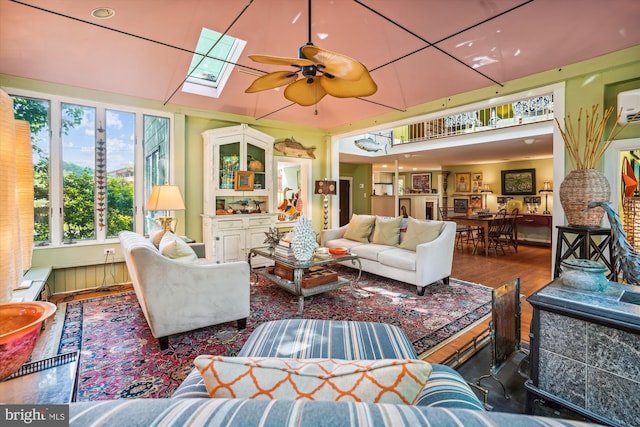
(577, 190)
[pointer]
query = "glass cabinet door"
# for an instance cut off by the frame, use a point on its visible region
(256, 163)
(229, 162)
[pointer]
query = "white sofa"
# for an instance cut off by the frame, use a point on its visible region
(177, 296)
(430, 262)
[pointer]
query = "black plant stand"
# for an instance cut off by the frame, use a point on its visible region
(581, 243)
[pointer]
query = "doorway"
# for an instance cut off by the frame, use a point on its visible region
(345, 200)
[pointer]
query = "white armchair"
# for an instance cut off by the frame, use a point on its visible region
(177, 297)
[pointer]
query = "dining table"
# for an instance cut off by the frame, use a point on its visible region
(479, 221)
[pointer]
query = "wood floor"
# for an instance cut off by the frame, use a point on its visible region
(532, 264)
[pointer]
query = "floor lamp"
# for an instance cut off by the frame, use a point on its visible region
(546, 190)
(325, 188)
(165, 198)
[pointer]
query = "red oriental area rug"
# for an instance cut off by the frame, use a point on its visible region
(119, 358)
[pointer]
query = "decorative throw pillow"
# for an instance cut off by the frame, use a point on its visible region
(359, 228)
(177, 249)
(397, 381)
(420, 232)
(155, 236)
(387, 231)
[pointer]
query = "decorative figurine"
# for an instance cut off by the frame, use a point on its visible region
(625, 258)
(273, 237)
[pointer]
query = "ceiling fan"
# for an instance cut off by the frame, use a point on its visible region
(323, 72)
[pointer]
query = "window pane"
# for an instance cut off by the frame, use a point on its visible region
(78, 150)
(156, 163)
(120, 139)
(205, 69)
(37, 113)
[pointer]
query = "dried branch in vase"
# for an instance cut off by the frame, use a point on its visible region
(594, 146)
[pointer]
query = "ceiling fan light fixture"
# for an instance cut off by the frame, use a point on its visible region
(323, 72)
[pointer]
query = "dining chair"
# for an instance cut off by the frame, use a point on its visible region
(495, 233)
(508, 234)
(462, 231)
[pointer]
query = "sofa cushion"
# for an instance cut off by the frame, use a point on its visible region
(375, 381)
(419, 232)
(370, 251)
(177, 249)
(155, 236)
(386, 231)
(359, 228)
(403, 259)
(335, 339)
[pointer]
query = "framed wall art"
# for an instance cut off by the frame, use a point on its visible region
(518, 182)
(404, 206)
(421, 181)
(476, 182)
(460, 205)
(475, 202)
(243, 181)
(463, 182)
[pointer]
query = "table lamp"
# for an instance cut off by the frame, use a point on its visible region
(546, 190)
(325, 188)
(165, 198)
(486, 191)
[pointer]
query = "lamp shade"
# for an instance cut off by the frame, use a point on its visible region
(325, 187)
(165, 198)
(546, 188)
(486, 189)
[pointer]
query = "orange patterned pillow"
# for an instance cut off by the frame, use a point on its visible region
(375, 381)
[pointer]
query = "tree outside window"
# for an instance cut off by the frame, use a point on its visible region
(93, 205)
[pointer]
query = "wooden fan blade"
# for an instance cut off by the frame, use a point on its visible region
(272, 80)
(341, 88)
(281, 60)
(336, 64)
(304, 93)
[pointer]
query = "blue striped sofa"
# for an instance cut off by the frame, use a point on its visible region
(446, 401)
(307, 339)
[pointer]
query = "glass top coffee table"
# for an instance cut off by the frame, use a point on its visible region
(295, 286)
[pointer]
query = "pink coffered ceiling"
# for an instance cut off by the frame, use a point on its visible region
(145, 49)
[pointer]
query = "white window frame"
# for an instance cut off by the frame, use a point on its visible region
(56, 233)
(202, 87)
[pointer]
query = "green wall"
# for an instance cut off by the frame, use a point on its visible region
(361, 175)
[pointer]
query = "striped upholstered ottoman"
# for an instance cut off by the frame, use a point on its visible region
(306, 339)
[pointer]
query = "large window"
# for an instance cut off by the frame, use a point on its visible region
(88, 183)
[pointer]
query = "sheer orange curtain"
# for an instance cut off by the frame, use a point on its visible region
(16, 167)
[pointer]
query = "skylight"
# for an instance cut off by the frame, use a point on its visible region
(210, 68)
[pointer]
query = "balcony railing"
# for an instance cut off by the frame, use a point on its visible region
(523, 111)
